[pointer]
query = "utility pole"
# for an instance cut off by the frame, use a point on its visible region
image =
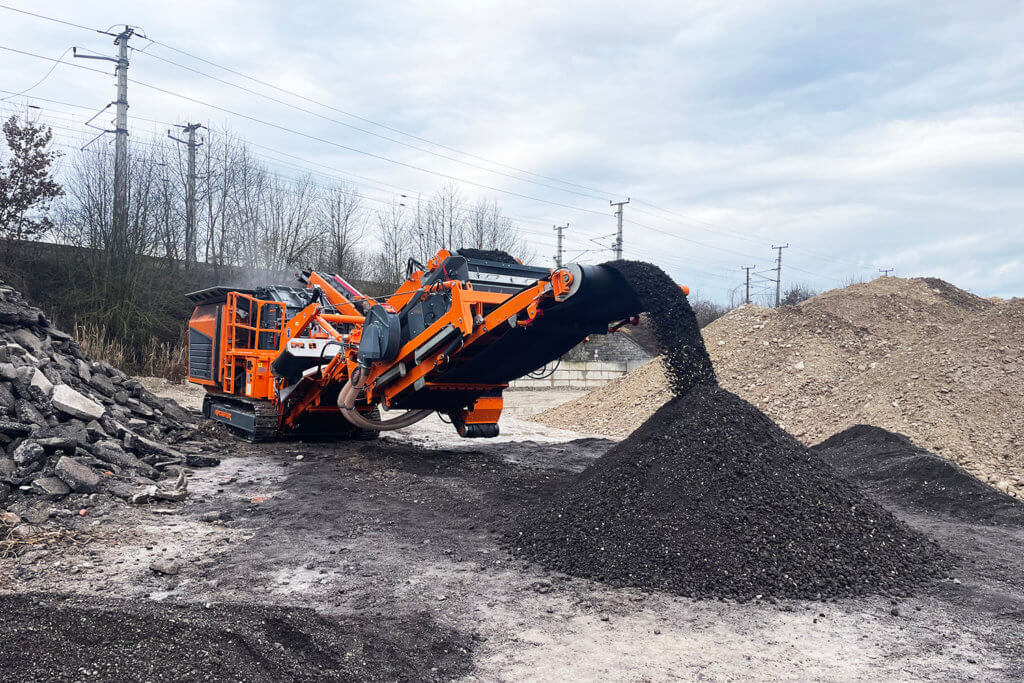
(778, 273)
(119, 230)
(558, 255)
(748, 269)
(885, 271)
(190, 191)
(618, 234)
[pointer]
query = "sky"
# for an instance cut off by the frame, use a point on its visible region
(865, 135)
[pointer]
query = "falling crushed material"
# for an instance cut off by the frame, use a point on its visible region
(915, 356)
(710, 498)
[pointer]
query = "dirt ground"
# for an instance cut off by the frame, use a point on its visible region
(401, 535)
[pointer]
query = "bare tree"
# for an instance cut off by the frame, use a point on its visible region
(340, 220)
(393, 244)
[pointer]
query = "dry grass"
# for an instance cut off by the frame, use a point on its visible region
(13, 546)
(156, 359)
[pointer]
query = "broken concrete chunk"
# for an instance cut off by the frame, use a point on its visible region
(141, 444)
(27, 452)
(201, 461)
(51, 487)
(69, 401)
(76, 475)
(28, 413)
(116, 488)
(58, 443)
(95, 431)
(11, 428)
(41, 382)
(102, 383)
(83, 370)
(111, 451)
(28, 340)
(8, 371)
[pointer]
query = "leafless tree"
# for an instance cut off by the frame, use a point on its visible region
(393, 244)
(341, 223)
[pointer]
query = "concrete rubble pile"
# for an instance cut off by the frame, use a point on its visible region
(71, 426)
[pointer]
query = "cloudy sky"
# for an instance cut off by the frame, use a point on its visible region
(865, 135)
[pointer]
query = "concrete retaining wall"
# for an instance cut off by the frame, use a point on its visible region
(573, 374)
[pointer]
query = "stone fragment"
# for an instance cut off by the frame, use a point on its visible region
(201, 461)
(41, 382)
(69, 401)
(11, 428)
(51, 487)
(141, 444)
(102, 383)
(83, 370)
(165, 567)
(28, 413)
(27, 452)
(8, 371)
(111, 451)
(28, 340)
(53, 444)
(76, 475)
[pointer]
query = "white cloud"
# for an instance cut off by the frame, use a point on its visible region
(867, 135)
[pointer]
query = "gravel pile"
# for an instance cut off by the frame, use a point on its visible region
(68, 638)
(70, 426)
(710, 498)
(915, 356)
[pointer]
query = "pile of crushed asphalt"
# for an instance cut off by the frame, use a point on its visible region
(710, 498)
(66, 638)
(71, 427)
(891, 468)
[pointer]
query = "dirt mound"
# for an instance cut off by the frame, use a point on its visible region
(891, 468)
(710, 498)
(919, 357)
(56, 638)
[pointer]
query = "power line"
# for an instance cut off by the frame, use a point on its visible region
(370, 132)
(59, 21)
(321, 104)
(45, 76)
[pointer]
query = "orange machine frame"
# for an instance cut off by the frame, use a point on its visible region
(254, 332)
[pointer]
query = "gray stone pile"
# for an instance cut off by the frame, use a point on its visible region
(70, 425)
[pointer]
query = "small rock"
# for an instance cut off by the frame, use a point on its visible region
(27, 452)
(51, 487)
(165, 567)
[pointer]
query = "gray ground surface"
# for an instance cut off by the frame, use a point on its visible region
(401, 536)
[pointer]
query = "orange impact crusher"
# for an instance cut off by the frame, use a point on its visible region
(326, 360)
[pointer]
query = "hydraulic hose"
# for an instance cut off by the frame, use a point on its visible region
(347, 402)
